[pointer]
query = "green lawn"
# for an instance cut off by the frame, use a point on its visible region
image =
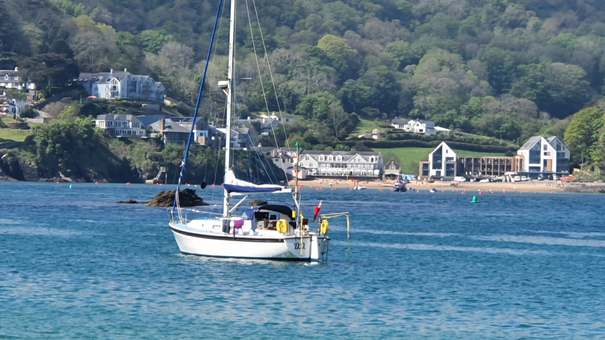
(410, 157)
(17, 135)
(366, 126)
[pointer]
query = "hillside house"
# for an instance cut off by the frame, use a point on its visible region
(342, 164)
(11, 79)
(417, 126)
(240, 137)
(176, 130)
(122, 85)
(121, 125)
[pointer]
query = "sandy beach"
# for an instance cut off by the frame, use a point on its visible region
(530, 186)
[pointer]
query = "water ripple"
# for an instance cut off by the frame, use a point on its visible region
(543, 240)
(39, 231)
(434, 247)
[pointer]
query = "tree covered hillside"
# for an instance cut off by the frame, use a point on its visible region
(503, 68)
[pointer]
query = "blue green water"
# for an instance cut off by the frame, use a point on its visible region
(74, 264)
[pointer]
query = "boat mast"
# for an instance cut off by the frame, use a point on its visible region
(230, 94)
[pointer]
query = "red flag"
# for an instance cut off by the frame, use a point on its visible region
(317, 210)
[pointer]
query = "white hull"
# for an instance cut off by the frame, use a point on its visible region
(311, 247)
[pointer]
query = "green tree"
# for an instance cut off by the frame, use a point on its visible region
(557, 88)
(404, 53)
(327, 110)
(583, 131)
(500, 67)
(50, 71)
(341, 56)
(152, 40)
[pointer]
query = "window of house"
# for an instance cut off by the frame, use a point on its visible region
(534, 154)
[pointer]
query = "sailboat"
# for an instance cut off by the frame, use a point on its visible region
(265, 231)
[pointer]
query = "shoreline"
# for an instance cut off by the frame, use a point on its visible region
(526, 187)
(326, 183)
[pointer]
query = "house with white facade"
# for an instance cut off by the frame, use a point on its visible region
(342, 164)
(545, 157)
(121, 125)
(122, 85)
(418, 126)
(442, 162)
(11, 79)
(399, 123)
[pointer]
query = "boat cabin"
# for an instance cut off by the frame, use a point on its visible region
(267, 215)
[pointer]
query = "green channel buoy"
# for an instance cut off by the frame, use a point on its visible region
(475, 199)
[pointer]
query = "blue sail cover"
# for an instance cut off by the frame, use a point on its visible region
(234, 185)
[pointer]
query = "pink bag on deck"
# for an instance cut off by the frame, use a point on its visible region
(238, 224)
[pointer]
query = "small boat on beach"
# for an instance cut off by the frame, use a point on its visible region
(358, 187)
(400, 187)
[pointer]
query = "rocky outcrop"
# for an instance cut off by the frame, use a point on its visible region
(187, 198)
(592, 187)
(10, 167)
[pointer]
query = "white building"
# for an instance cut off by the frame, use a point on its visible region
(442, 162)
(122, 85)
(423, 127)
(545, 156)
(10, 79)
(121, 125)
(342, 164)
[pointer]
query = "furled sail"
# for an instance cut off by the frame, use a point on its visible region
(234, 185)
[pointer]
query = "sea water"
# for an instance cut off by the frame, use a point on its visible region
(76, 264)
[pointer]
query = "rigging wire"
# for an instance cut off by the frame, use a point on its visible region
(197, 108)
(260, 159)
(266, 58)
(260, 77)
(279, 109)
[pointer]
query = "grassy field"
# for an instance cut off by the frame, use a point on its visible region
(410, 157)
(366, 126)
(16, 135)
